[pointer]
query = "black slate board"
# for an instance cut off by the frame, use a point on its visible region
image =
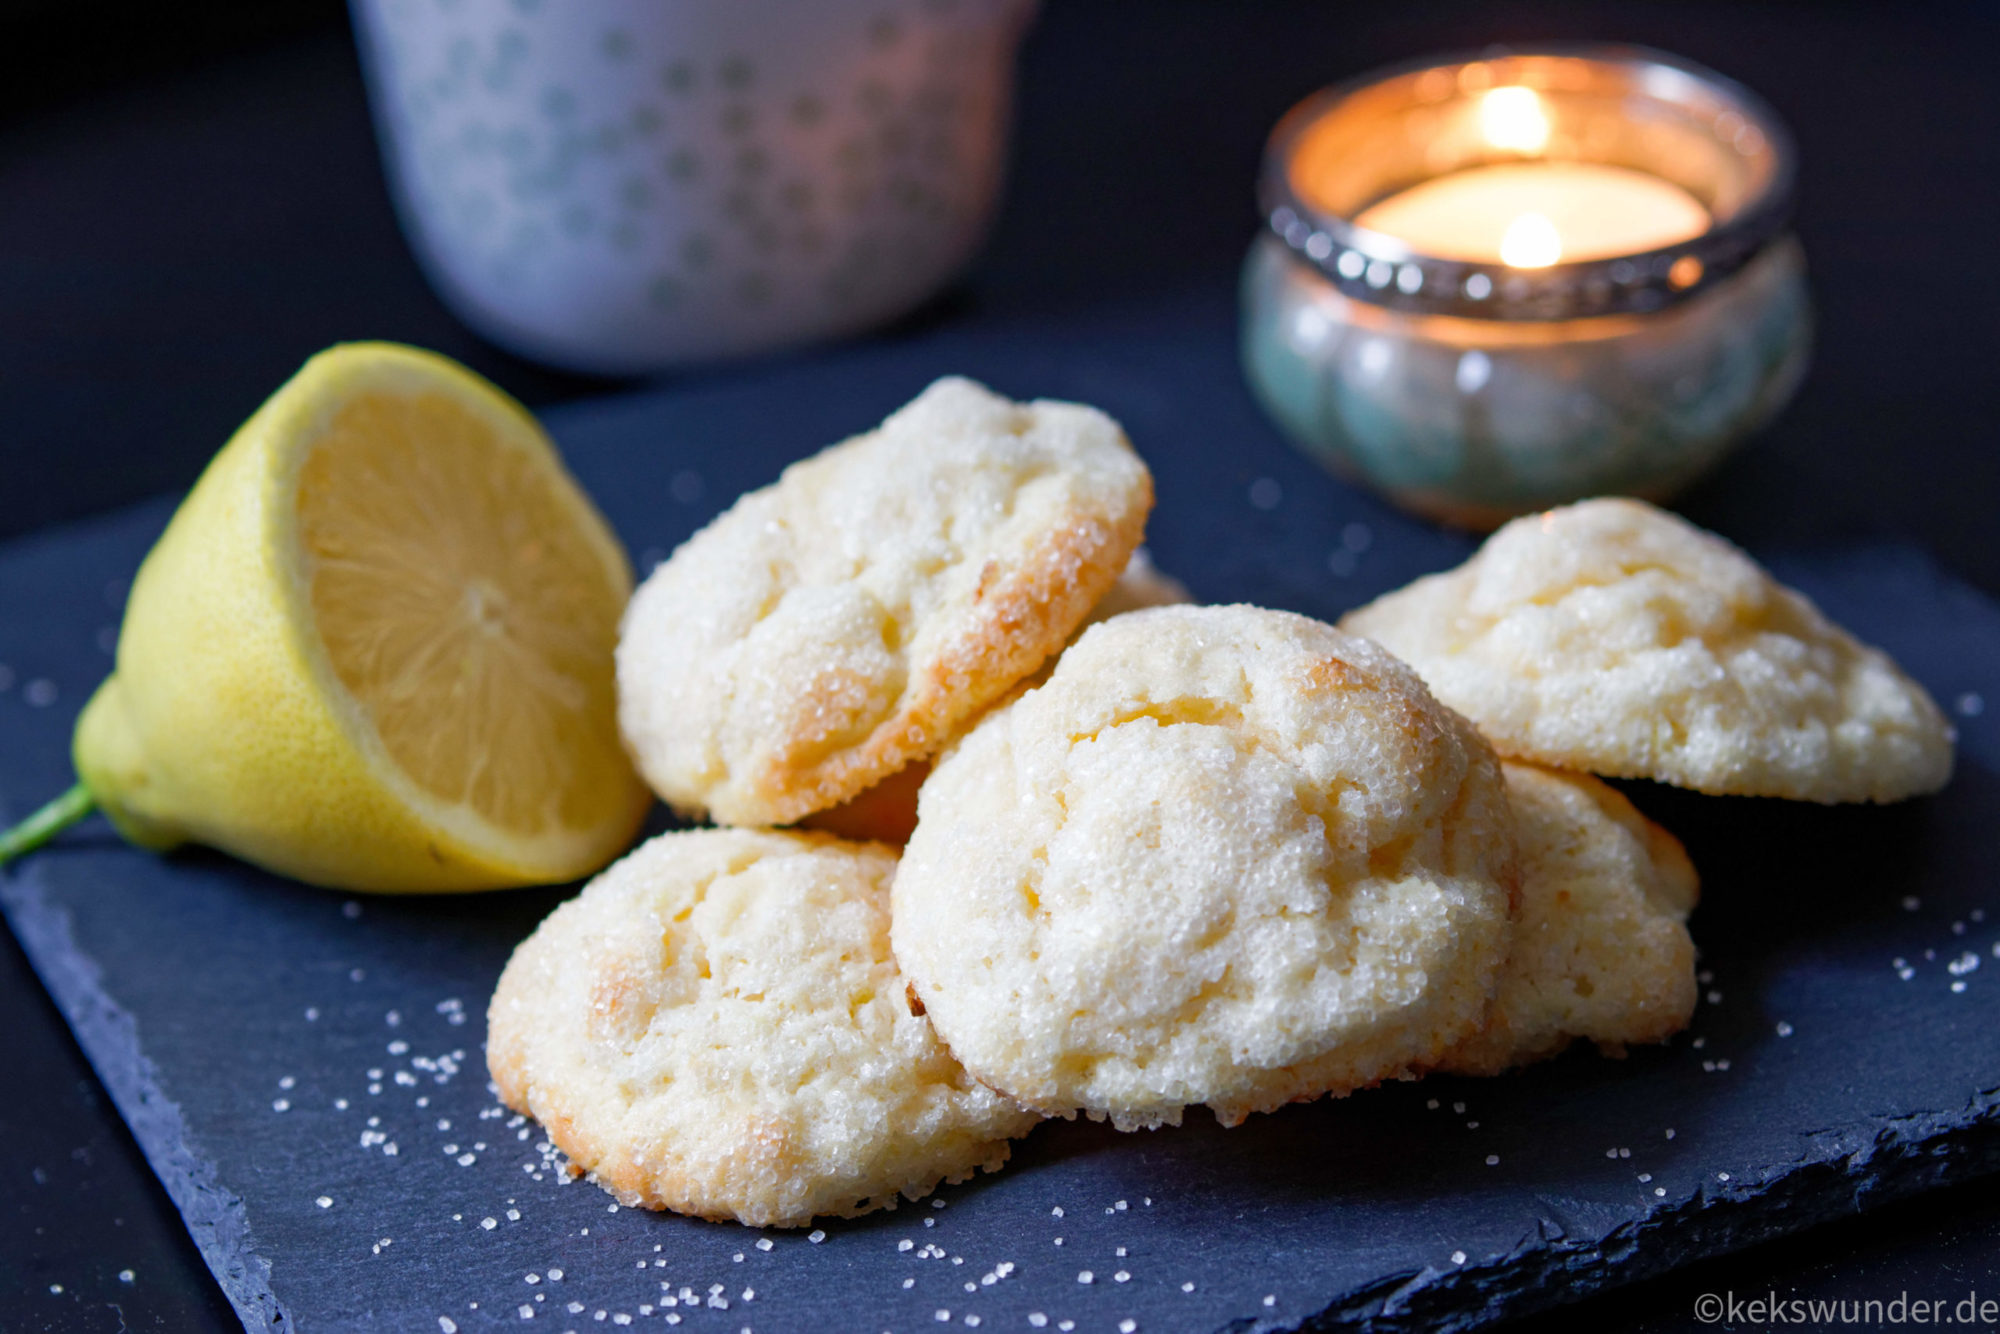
(274, 1046)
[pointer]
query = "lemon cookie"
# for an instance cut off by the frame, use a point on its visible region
(1599, 949)
(887, 812)
(1223, 855)
(847, 619)
(1616, 638)
(716, 1026)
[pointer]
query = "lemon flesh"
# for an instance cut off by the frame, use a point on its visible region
(373, 649)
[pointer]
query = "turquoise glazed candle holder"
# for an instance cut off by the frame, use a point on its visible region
(1471, 388)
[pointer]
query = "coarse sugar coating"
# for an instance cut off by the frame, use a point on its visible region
(887, 812)
(1223, 855)
(1613, 637)
(1600, 949)
(716, 1026)
(832, 627)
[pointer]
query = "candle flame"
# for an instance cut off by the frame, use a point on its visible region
(1531, 241)
(1513, 118)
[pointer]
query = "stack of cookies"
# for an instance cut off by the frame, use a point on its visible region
(1157, 855)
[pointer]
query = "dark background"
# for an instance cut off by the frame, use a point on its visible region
(191, 204)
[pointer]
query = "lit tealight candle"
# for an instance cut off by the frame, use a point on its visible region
(1530, 215)
(1490, 285)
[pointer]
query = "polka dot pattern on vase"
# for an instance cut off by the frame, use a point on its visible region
(675, 183)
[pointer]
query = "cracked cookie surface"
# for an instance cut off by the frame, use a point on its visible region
(716, 1026)
(835, 626)
(1222, 856)
(1616, 638)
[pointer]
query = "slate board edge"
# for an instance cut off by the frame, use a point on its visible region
(1848, 1171)
(215, 1216)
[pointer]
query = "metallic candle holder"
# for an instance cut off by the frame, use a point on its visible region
(1474, 390)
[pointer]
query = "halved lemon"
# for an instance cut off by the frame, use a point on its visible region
(373, 649)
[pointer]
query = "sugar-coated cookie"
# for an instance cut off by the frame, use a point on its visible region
(716, 1026)
(1223, 855)
(1616, 638)
(1600, 949)
(887, 812)
(834, 626)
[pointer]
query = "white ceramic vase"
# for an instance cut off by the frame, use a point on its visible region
(624, 186)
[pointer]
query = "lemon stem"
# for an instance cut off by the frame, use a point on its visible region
(46, 823)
